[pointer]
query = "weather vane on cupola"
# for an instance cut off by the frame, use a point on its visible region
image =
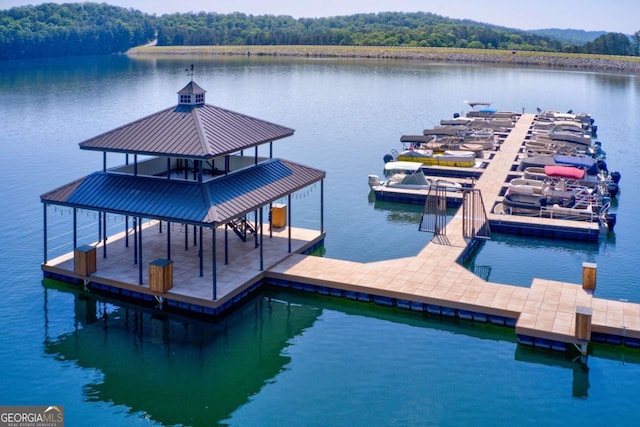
(189, 71)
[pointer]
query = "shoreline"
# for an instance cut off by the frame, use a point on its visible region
(621, 64)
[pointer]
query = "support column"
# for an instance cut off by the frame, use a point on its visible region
(201, 255)
(261, 245)
(289, 220)
(322, 206)
(213, 263)
(135, 239)
(139, 251)
(168, 240)
(255, 220)
(75, 228)
(226, 244)
(46, 238)
(104, 235)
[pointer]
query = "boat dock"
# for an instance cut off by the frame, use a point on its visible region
(510, 147)
(548, 314)
(544, 315)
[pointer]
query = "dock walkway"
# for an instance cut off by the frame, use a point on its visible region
(546, 311)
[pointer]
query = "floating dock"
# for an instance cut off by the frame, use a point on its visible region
(548, 314)
(434, 281)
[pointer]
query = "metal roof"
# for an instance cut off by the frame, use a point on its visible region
(191, 88)
(415, 138)
(189, 131)
(215, 201)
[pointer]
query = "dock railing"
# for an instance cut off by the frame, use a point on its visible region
(475, 224)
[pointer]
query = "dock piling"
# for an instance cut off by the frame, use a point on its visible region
(583, 327)
(589, 276)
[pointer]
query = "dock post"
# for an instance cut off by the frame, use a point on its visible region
(589, 276)
(583, 328)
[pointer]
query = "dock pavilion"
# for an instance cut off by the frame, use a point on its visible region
(186, 167)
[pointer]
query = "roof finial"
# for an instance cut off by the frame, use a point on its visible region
(190, 72)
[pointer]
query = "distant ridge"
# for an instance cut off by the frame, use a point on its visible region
(569, 36)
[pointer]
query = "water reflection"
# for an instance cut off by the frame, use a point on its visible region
(580, 383)
(531, 257)
(403, 213)
(178, 370)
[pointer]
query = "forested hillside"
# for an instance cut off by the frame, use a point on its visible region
(72, 29)
(92, 29)
(381, 29)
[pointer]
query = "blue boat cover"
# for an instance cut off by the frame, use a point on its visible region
(578, 161)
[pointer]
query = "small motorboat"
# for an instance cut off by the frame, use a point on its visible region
(415, 180)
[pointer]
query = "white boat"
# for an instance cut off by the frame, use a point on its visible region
(409, 175)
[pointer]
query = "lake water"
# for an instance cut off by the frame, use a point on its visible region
(289, 358)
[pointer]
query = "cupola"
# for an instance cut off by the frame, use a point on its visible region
(191, 94)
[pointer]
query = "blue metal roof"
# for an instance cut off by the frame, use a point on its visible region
(215, 201)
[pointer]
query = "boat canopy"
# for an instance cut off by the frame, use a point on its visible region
(442, 130)
(416, 138)
(474, 104)
(391, 168)
(579, 161)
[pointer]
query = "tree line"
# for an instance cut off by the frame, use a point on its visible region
(91, 29)
(71, 29)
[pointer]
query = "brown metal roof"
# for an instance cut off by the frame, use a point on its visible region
(191, 88)
(198, 131)
(415, 138)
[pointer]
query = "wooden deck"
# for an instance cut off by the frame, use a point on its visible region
(243, 268)
(546, 310)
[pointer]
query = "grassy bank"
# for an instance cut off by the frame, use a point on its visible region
(625, 64)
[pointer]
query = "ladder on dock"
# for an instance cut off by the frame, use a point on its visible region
(242, 227)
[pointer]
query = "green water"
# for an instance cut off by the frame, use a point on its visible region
(288, 358)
